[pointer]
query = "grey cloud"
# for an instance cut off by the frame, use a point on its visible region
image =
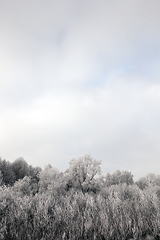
(81, 77)
(121, 130)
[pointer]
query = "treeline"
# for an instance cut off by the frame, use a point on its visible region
(79, 203)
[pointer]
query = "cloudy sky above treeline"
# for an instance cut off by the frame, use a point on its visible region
(81, 76)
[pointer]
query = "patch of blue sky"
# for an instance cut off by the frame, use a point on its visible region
(142, 63)
(145, 59)
(98, 80)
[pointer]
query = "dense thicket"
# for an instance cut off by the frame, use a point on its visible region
(77, 204)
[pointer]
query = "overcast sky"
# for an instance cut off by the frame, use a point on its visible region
(81, 76)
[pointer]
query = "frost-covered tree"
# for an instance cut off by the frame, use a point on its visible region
(82, 172)
(150, 180)
(48, 178)
(119, 177)
(1, 178)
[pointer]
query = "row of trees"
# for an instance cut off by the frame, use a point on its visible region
(12, 172)
(80, 203)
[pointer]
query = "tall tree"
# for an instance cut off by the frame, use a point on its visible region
(82, 172)
(20, 168)
(7, 172)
